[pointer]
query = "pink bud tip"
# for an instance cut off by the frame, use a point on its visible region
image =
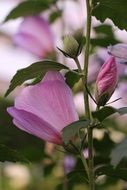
(106, 81)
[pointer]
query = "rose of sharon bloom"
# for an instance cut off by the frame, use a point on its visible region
(35, 36)
(45, 109)
(106, 81)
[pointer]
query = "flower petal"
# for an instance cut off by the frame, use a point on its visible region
(52, 76)
(119, 50)
(38, 24)
(30, 43)
(34, 125)
(51, 100)
(38, 28)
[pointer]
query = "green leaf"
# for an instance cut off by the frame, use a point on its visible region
(71, 130)
(122, 111)
(7, 154)
(104, 146)
(104, 29)
(114, 10)
(110, 171)
(27, 8)
(47, 168)
(106, 111)
(119, 152)
(77, 176)
(103, 42)
(36, 70)
(104, 36)
(73, 179)
(54, 16)
(72, 78)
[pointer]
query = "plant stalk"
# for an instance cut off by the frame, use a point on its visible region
(86, 60)
(85, 164)
(91, 163)
(90, 167)
(86, 98)
(78, 65)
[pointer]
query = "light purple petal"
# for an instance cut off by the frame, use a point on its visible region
(30, 43)
(34, 125)
(51, 100)
(119, 50)
(38, 29)
(52, 76)
(38, 24)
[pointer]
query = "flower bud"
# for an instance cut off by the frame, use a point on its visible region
(71, 46)
(106, 81)
(78, 36)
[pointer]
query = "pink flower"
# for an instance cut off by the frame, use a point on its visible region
(45, 109)
(106, 81)
(35, 36)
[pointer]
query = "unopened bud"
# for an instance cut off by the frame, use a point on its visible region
(106, 82)
(71, 46)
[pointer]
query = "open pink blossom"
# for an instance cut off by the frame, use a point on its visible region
(45, 108)
(106, 81)
(35, 36)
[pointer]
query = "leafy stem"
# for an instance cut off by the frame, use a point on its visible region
(78, 65)
(90, 168)
(84, 163)
(86, 99)
(86, 60)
